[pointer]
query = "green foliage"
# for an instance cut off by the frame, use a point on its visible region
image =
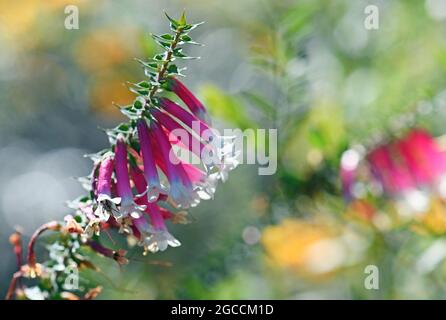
(159, 69)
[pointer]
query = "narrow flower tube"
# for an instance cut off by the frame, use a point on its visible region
(196, 124)
(219, 154)
(181, 190)
(154, 237)
(179, 136)
(161, 238)
(154, 187)
(106, 205)
(195, 106)
(205, 185)
(105, 175)
(124, 190)
(171, 125)
(118, 256)
(201, 184)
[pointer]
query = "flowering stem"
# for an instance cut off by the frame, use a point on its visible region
(16, 241)
(13, 284)
(166, 62)
(31, 257)
(110, 176)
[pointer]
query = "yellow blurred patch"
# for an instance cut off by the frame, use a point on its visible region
(304, 247)
(18, 16)
(102, 50)
(433, 220)
(108, 90)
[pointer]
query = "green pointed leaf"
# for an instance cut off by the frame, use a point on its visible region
(191, 27)
(182, 20)
(173, 22)
(186, 38)
(143, 84)
(178, 53)
(172, 69)
(166, 36)
(138, 104)
(159, 57)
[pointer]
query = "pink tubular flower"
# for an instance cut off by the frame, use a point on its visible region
(118, 256)
(124, 190)
(423, 156)
(161, 238)
(199, 126)
(106, 205)
(181, 189)
(171, 125)
(393, 175)
(184, 139)
(206, 185)
(408, 163)
(154, 237)
(411, 157)
(219, 154)
(154, 187)
(194, 105)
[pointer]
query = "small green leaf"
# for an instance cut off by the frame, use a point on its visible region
(178, 53)
(163, 44)
(172, 69)
(186, 38)
(149, 65)
(182, 20)
(138, 104)
(159, 57)
(143, 92)
(130, 112)
(191, 27)
(166, 36)
(143, 84)
(173, 22)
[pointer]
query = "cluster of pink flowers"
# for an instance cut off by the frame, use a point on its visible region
(164, 160)
(413, 162)
(144, 180)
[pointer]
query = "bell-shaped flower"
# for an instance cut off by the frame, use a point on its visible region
(160, 238)
(219, 154)
(155, 236)
(106, 205)
(181, 137)
(154, 187)
(124, 189)
(181, 189)
(194, 105)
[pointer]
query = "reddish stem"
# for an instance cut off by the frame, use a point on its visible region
(12, 285)
(31, 257)
(16, 241)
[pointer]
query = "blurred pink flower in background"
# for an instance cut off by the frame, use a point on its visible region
(404, 166)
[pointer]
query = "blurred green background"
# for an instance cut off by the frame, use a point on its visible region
(308, 68)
